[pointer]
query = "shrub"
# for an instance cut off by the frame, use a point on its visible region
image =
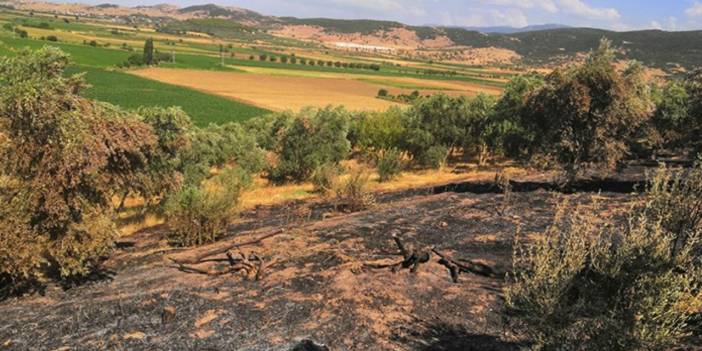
(315, 138)
(434, 157)
(21, 248)
(381, 130)
(134, 60)
(324, 177)
(588, 285)
(352, 194)
(586, 116)
(676, 201)
(390, 164)
(198, 215)
(67, 156)
(382, 93)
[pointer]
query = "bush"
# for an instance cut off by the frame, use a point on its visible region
(352, 194)
(434, 157)
(21, 248)
(198, 215)
(324, 177)
(588, 285)
(381, 130)
(390, 164)
(587, 116)
(66, 156)
(315, 138)
(382, 93)
(676, 201)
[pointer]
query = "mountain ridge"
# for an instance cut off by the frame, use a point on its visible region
(533, 45)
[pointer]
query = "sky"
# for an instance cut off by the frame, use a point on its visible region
(617, 15)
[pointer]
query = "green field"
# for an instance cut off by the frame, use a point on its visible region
(80, 54)
(130, 92)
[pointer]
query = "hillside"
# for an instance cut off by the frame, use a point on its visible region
(532, 45)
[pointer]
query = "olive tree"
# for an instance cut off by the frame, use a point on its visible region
(65, 157)
(315, 138)
(586, 115)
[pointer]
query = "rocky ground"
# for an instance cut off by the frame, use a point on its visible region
(320, 281)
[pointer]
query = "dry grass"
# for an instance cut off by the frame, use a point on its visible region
(465, 88)
(275, 92)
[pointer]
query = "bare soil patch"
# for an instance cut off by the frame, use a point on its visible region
(320, 289)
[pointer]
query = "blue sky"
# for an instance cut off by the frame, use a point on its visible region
(617, 15)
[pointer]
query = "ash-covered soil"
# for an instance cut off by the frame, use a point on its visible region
(319, 289)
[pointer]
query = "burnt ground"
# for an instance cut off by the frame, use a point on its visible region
(319, 289)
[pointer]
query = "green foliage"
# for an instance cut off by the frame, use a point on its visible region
(672, 112)
(381, 130)
(586, 115)
(268, 129)
(510, 134)
(148, 57)
(588, 285)
(390, 164)
(68, 157)
(693, 85)
(173, 129)
(217, 146)
(440, 123)
(198, 215)
(434, 157)
(435, 123)
(315, 138)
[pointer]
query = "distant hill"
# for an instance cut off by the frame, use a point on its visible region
(540, 44)
(512, 30)
(232, 13)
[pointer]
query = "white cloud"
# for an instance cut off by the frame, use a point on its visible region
(482, 18)
(581, 9)
(670, 24)
(384, 6)
(695, 10)
(546, 5)
(511, 17)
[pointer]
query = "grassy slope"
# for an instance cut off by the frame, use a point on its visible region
(130, 92)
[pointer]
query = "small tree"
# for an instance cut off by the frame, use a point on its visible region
(65, 157)
(390, 164)
(149, 52)
(197, 215)
(315, 138)
(586, 116)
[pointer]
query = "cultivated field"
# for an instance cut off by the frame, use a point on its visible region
(274, 92)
